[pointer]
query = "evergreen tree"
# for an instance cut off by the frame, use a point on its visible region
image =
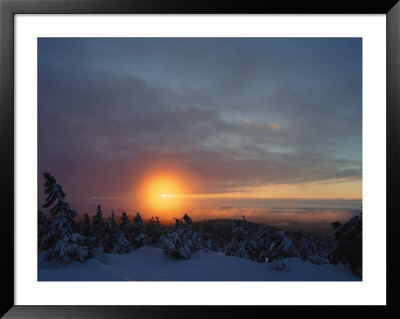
(187, 220)
(154, 230)
(62, 242)
(214, 236)
(238, 242)
(138, 221)
(125, 224)
(348, 250)
(180, 242)
(138, 237)
(78, 227)
(42, 230)
(86, 229)
(113, 239)
(208, 233)
(98, 227)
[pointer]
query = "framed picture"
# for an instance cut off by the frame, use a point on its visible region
(170, 158)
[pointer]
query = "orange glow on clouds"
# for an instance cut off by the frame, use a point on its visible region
(168, 193)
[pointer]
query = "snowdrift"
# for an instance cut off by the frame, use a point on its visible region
(151, 264)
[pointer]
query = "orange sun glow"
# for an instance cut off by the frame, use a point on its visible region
(161, 193)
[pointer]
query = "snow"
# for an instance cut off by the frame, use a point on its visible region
(151, 264)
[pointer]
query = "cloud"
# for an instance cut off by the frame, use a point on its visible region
(104, 120)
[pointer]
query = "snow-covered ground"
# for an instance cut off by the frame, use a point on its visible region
(150, 264)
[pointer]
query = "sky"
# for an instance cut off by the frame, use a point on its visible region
(134, 122)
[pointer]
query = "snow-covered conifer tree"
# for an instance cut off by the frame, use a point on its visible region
(86, 229)
(125, 224)
(348, 250)
(239, 240)
(154, 230)
(138, 237)
(78, 226)
(138, 221)
(98, 227)
(42, 230)
(113, 239)
(180, 242)
(62, 242)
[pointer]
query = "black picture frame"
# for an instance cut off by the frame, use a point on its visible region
(8, 8)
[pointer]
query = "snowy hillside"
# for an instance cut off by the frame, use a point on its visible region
(150, 263)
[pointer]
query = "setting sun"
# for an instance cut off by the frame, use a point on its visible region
(161, 193)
